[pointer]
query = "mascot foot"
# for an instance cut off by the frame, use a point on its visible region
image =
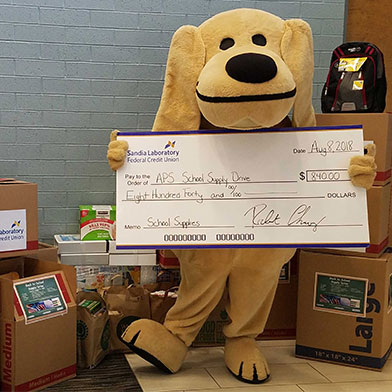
(156, 344)
(245, 361)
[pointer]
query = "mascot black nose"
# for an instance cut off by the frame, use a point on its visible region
(251, 68)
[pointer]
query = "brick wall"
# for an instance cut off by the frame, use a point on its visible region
(72, 70)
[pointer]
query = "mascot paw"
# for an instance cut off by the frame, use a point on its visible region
(156, 344)
(117, 151)
(362, 169)
(245, 361)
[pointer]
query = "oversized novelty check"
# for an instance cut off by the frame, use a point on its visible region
(264, 188)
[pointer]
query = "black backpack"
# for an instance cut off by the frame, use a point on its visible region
(356, 80)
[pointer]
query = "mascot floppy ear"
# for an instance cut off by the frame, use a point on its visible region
(178, 109)
(297, 53)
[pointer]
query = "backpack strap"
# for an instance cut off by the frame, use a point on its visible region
(338, 52)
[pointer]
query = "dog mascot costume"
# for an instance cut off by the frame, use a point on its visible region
(241, 69)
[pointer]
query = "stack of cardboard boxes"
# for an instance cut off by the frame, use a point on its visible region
(377, 128)
(345, 297)
(37, 327)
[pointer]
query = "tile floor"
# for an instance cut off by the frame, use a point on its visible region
(204, 370)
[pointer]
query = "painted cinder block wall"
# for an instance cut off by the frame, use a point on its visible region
(72, 70)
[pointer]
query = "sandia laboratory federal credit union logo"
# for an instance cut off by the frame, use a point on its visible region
(14, 229)
(167, 154)
(170, 144)
(15, 224)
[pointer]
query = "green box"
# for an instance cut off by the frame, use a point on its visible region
(97, 222)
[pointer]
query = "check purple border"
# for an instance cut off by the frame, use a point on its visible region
(226, 131)
(219, 131)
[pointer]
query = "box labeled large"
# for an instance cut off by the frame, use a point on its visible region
(344, 309)
(18, 215)
(38, 328)
(377, 127)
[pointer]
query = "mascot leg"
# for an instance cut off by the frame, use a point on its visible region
(252, 285)
(203, 279)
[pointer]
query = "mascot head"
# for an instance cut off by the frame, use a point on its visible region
(241, 69)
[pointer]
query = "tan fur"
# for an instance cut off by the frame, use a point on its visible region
(178, 108)
(362, 169)
(196, 62)
(296, 47)
(116, 151)
(195, 52)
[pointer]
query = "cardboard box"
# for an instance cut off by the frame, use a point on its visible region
(97, 222)
(378, 201)
(167, 259)
(44, 252)
(38, 328)
(345, 309)
(15, 264)
(390, 221)
(377, 127)
(18, 215)
(282, 319)
(378, 212)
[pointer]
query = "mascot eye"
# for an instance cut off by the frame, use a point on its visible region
(259, 39)
(226, 43)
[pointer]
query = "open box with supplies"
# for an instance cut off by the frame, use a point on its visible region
(38, 327)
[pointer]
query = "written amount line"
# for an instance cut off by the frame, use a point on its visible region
(229, 198)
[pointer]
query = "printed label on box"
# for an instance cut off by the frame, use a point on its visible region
(340, 294)
(40, 298)
(97, 222)
(12, 230)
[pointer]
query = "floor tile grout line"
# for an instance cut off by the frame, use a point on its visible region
(329, 381)
(216, 382)
(318, 371)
